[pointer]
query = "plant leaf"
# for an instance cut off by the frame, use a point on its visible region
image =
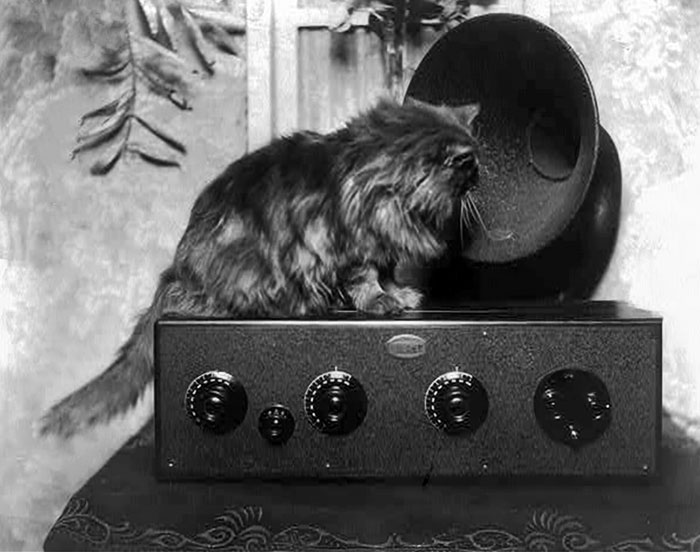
(155, 83)
(380, 8)
(376, 26)
(153, 158)
(103, 134)
(169, 140)
(342, 26)
(197, 40)
(115, 120)
(224, 19)
(380, 13)
(104, 111)
(174, 91)
(105, 70)
(150, 14)
(165, 72)
(146, 47)
(219, 37)
(168, 74)
(101, 168)
(179, 101)
(167, 28)
(455, 10)
(418, 10)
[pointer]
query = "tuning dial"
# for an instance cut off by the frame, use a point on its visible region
(573, 407)
(216, 402)
(456, 402)
(335, 403)
(276, 424)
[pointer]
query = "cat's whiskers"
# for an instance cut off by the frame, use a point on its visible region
(464, 216)
(470, 207)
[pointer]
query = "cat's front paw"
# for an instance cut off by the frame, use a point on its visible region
(406, 296)
(381, 304)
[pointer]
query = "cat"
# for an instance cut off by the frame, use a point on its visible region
(306, 224)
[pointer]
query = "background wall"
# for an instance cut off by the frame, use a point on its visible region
(79, 255)
(645, 68)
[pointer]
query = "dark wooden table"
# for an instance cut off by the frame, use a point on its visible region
(124, 508)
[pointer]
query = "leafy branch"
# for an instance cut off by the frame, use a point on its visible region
(158, 41)
(393, 20)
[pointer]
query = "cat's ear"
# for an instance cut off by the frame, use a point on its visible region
(467, 113)
(413, 102)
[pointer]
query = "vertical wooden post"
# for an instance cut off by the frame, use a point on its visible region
(285, 67)
(259, 15)
(272, 28)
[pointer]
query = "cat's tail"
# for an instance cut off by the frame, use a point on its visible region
(120, 386)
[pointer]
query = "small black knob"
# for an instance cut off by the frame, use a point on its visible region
(216, 402)
(276, 424)
(335, 403)
(456, 402)
(573, 407)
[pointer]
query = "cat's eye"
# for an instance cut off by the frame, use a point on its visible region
(462, 158)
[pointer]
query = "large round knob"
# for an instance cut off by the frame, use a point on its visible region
(276, 424)
(216, 402)
(456, 402)
(572, 407)
(335, 403)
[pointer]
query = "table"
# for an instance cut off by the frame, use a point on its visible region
(124, 508)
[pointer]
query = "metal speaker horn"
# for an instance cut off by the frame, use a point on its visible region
(549, 189)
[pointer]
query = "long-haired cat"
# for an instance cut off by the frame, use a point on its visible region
(308, 223)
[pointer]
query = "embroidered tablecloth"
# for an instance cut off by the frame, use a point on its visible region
(123, 507)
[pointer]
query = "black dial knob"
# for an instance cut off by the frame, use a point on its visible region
(216, 402)
(276, 424)
(573, 407)
(335, 403)
(456, 402)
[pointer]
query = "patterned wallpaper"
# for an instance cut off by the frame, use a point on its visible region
(79, 255)
(646, 72)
